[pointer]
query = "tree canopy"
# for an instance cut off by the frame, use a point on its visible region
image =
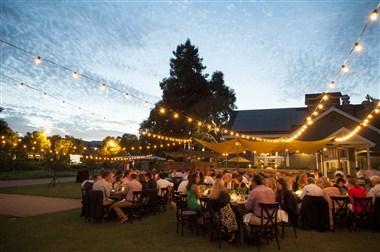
(189, 91)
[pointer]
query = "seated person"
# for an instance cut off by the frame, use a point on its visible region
(239, 186)
(105, 185)
(150, 183)
(259, 194)
(311, 189)
(182, 187)
(131, 186)
(287, 200)
(88, 183)
(375, 190)
(193, 193)
(354, 190)
(340, 184)
(219, 200)
(163, 183)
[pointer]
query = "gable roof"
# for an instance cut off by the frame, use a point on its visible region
(280, 120)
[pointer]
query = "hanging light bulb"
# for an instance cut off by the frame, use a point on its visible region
(146, 103)
(199, 123)
(189, 119)
(325, 97)
(37, 60)
(44, 94)
(75, 75)
(126, 95)
(175, 115)
(103, 87)
(358, 47)
(320, 106)
(344, 68)
(332, 84)
(374, 15)
(20, 85)
(162, 110)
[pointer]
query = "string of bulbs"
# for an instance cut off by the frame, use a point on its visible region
(357, 47)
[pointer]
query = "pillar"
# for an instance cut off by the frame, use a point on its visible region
(368, 159)
(316, 161)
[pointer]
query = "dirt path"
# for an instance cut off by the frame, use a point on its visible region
(23, 205)
(26, 182)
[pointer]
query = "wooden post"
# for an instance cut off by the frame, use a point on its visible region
(338, 156)
(368, 159)
(316, 161)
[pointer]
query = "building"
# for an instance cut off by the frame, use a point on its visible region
(339, 117)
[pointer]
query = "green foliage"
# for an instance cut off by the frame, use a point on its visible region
(188, 91)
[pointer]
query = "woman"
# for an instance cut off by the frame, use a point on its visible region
(271, 183)
(219, 201)
(302, 181)
(340, 184)
(354, 190)
(193, 193)
(239, 186)
(328, 192)
(287, 200)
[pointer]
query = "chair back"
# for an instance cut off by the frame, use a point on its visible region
(340, 204)
(363, 205)
(137, 199)
(269, 214)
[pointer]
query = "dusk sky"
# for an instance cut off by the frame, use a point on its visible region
(271, 54)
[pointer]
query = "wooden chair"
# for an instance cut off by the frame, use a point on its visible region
(362, 211)
(183, 214)
(340, 211)
(164, 197)
(268, 224)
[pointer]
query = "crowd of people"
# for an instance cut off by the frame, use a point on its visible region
(260, 186)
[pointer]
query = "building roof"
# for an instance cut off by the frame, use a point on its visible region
(271, 121)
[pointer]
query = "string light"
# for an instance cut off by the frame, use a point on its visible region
(103, 87)
(374, 15)
(20, 85)
(344, 68)
(162, 110)
(75, 75)
(358, 47)
(364, 123)
(189, 119)
(332, 84)
(175, 115)
(37, 60)
(44, 94)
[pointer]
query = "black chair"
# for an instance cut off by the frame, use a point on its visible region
(268, 224)
(293, 222)
(215, 226)
(362, 211)
(376, 215)
(164, 198)
(92, 207)
(315, 213)
(184, 215)
(340, 211)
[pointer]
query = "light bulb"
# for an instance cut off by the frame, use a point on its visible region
(75, 75)
(162, 110)
(325, 97)
(374, 15)
(126, 95)
(358, 47)
(332, 84)
(20, 85)
(176, 115)
(320, 106)
(344, 68)
(103, 87)
(44, 95)
(37, 60)
(189, 119)
(199, 123)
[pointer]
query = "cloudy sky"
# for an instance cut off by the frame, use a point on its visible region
(271, 53)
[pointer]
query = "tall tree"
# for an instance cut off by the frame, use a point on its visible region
(188, 91)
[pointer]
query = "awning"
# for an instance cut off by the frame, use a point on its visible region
(239, 160)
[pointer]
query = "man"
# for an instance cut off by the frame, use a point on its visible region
(163, 183)
(132, 186)
(311, 189)
(150, 183)
(375, 190)
(259, 194)
(105, 185)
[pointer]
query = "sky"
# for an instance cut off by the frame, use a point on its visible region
(271, 54)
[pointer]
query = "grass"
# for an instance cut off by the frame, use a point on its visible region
(66, 231)
(32, 174)
(61, 190)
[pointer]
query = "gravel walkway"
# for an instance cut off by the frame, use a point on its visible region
(24, 205)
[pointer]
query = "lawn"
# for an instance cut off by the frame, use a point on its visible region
(66, 231)
(32, 174)
(61, 190)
